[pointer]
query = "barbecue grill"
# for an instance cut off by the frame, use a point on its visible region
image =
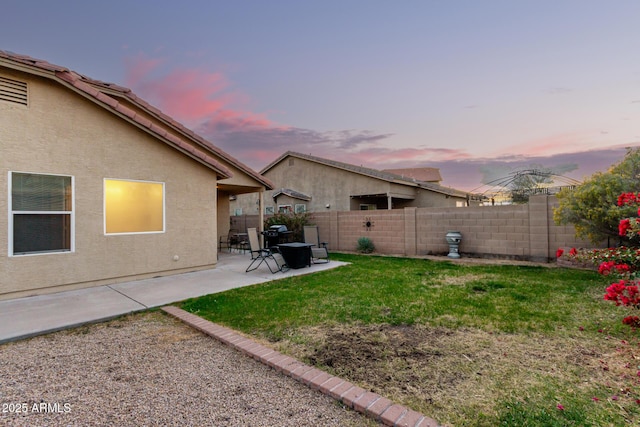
(276, 234)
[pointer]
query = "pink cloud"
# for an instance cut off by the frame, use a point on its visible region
(194, 96)
(138, 67)
(208, 103)
(403, 157)
(550, 145)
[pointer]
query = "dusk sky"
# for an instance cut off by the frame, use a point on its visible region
(478, 88)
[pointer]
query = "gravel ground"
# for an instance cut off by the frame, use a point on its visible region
(147, 370)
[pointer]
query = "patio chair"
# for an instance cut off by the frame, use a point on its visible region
(319, 252)
(261, 255)
(223, 243)
(228, 242)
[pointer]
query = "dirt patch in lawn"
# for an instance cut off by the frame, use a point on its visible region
(454, 374)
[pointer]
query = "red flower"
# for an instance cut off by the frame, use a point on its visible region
(628, 199)
(573, 252)
(624, 226)
(626, 295)
(633, 321)
(622, 268)
(559, 252)
(605, 267)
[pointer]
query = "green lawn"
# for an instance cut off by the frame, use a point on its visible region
(468, 345)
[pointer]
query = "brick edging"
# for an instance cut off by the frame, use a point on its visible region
(366, 402)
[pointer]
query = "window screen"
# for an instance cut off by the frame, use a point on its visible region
(41, 213)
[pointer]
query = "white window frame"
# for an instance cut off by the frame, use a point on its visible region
(287, 209)
(300, 208)
(104, 207)
(269, 210)
(72, 219)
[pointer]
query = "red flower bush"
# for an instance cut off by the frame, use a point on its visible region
(623, 262)
(633, 321)
(606, 268)
(623, 293)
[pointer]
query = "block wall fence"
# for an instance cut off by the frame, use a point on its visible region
(521, 232)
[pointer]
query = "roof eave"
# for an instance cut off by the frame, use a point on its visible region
(98, 97)
(178, 127)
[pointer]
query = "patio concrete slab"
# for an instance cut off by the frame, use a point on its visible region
(26, 317)
(169, 289)
(30, 316)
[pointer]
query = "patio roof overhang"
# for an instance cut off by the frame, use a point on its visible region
(239, 189)
(383, 195)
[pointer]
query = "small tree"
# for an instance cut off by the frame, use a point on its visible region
(592, 206)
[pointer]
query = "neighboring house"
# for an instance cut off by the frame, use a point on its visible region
(308, 183)
(100, 187)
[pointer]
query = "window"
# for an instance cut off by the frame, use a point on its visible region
(300, 208)
(269, 210)
(238, 212)
(42, 218)
(133, 207)
(368, 207)
(285, 209)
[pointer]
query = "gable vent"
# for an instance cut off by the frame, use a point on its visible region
(13, 91)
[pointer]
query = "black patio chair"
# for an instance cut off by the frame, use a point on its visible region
(261, 255)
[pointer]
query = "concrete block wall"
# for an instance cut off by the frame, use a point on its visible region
(386, 230)
(525, 232)
(486, 231)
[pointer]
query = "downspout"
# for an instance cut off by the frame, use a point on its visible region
(261, 210)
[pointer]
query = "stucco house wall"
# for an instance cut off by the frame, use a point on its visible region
(54, 121)
(325, 185)
(62, 133)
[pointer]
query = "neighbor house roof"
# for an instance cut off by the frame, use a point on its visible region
(420, 174)
(291, 193)
(114, 98)
(373, 173)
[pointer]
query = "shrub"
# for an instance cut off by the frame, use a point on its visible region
(624, 263)
(295, 223)
(591, 207)
(365, 245)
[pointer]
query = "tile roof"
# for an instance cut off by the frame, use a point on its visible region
(110, 95)
(291, 193)
(420, 174)
(374, 173)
